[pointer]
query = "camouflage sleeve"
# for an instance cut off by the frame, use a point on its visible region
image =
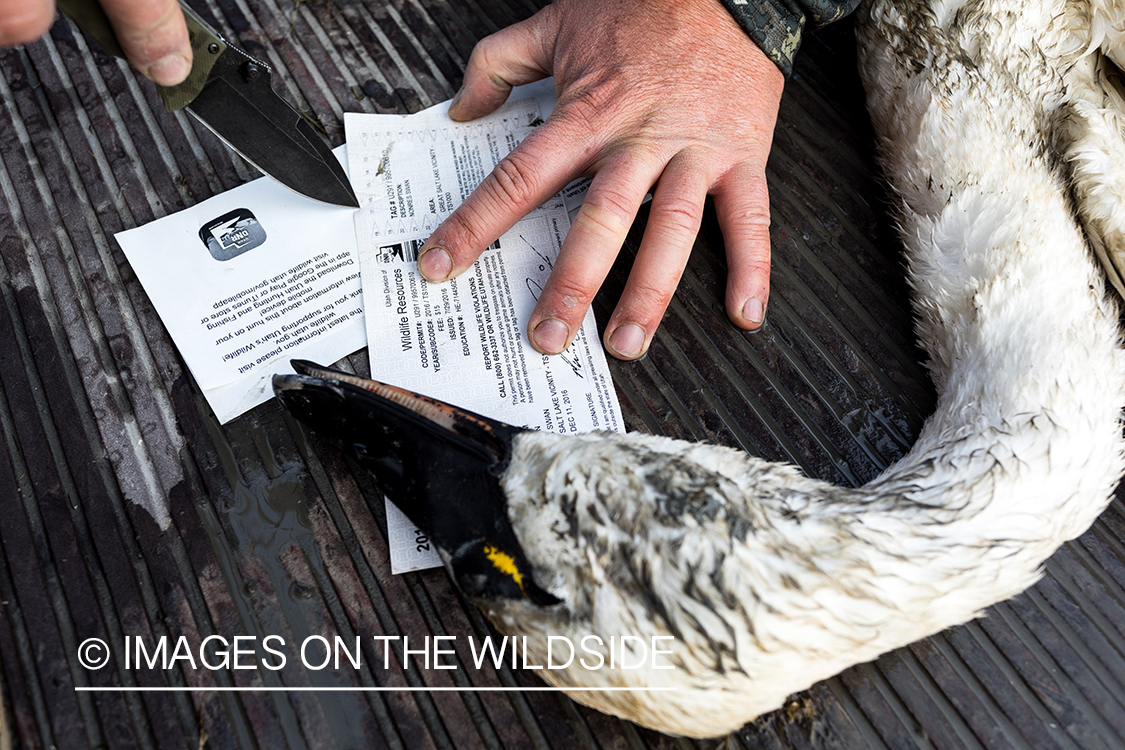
(776, 25)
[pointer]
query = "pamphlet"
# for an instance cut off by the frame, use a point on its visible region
(249, 279)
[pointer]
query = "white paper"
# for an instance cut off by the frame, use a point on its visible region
(294, 294)
(463, 341)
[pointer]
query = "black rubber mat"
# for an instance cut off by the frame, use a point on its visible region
(127, 510)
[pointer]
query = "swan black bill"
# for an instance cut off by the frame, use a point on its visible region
(441, 465)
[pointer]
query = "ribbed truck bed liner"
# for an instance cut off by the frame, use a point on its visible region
(127, 510)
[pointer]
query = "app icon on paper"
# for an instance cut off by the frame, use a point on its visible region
(232, 234)
(407, 252)
(399, 252)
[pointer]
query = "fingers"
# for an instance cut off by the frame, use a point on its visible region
(589, 250)
(154, 37)
(743, 208)
(677, 209)
(534, 171)
(152, 32)
(510, 57)
(23, 21)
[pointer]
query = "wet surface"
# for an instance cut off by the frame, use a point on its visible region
(129, 512)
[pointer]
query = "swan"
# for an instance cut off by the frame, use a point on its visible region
(1000, 127)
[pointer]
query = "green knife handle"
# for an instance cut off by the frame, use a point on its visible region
(89, 16)
(206, 46)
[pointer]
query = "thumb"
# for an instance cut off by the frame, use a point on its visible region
(154, 37)
(23, 21)
(511, 57)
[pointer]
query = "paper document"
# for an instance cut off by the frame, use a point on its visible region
(464, 340)
(246, 281)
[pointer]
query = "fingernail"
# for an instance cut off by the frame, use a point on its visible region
(628, 340)
(435, 264)
(456, 101)
(550, 336)
(169, 70)
(754, 310)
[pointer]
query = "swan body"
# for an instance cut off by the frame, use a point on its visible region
(995, 141)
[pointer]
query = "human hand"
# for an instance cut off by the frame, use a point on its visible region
(667, 95)
(152, 32)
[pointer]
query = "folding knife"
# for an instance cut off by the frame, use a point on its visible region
(229, 91)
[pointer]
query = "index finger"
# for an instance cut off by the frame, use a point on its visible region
(531, 173)
(154, 37)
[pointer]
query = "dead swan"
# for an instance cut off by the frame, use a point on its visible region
(770, 581)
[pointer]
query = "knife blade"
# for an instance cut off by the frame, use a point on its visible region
(230, 92)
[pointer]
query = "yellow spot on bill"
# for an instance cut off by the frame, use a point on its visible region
(504, 562)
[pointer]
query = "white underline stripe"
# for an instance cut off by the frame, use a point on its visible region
(114, 689)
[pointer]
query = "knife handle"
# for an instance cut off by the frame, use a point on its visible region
(206, 46)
